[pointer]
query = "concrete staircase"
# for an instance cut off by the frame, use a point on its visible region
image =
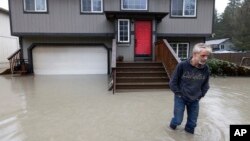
(141, 75)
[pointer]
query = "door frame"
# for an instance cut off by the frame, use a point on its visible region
(151, 46)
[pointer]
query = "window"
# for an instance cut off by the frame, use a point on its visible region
(134, 4)
(183, 8)
(181, 49)
(123, 30)
(91, 6)
(35, 5)
(222, 47)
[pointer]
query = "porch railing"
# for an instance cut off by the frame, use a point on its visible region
(113, 65)
(17, 64)
(165, 54)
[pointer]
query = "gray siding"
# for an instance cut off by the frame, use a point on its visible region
(153, 5)
(63, 17)
(202, 24)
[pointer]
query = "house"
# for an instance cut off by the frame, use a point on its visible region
(77, 36)
(8, 44)
(221, 45)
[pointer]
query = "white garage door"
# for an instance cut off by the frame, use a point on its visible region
(69, 60)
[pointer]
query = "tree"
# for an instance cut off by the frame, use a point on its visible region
(217, 26)
(242, 36)
(229, 18)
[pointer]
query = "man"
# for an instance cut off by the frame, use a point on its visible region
(190, 82)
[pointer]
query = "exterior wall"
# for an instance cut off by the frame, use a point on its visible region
(192, 41)
(4, 24)
(202, 24)
(228, 45)
(128, 50)
(8, 44)
(63, 17)
(153, 5)
(28, 41)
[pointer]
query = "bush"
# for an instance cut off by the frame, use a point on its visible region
(225, 68)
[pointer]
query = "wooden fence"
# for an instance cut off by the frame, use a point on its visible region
(232, 57)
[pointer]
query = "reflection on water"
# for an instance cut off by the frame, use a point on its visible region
(79, 107)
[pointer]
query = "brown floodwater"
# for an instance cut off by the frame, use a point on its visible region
(80, 108)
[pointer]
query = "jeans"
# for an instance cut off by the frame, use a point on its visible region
(192, 112)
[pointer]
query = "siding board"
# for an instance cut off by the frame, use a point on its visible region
(64, 17)
(202, 24)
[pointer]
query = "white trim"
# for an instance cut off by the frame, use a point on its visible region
(35, 8)
(122, 8)
(92, 7)
(128, 30)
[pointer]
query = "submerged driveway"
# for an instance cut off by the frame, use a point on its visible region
(80, 108)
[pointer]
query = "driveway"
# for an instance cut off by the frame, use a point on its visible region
(80, 108)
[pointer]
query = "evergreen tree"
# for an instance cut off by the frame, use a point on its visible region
(242, 36)
(229, 18)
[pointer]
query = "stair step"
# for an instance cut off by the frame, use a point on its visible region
(140, 68)
(143, 72)
(158, 85)
(140, 83)
(141, 79)
(132, 67)
(141, 75)
(136, 64)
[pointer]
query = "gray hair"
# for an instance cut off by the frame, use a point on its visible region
(197, 48)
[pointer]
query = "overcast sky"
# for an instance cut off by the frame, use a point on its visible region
(219, 4)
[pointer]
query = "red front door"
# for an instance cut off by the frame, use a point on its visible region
(143, 38)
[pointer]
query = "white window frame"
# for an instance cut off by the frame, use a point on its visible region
(183, 10)
(146, 8)
(35, 9)
(92, 8)
(128, 31)
(177, 48)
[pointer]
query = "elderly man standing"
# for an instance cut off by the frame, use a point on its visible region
(190, 82)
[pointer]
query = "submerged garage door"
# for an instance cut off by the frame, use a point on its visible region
(69, 60)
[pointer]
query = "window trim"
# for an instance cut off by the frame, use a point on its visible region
(146, 8)
(177, 48)
(183, 11)
(119, 41)
(35, 11)
(89, 12)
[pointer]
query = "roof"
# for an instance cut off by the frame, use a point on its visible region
(4, 10)
(111, 15)
(216, 42)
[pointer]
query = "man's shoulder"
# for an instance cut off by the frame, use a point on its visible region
(185, 62)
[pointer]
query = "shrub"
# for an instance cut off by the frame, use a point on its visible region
(225, 68)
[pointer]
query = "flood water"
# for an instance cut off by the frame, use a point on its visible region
(80, 108)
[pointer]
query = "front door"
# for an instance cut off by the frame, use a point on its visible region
(143, 38)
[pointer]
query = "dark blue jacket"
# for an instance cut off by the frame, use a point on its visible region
(190, 82)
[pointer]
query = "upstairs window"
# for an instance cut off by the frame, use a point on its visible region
(91, 6)
(35, 5)
(123, 30)
(183, 8)
(134, 4)
(181, 49)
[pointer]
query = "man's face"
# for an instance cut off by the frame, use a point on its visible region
(202, 56)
